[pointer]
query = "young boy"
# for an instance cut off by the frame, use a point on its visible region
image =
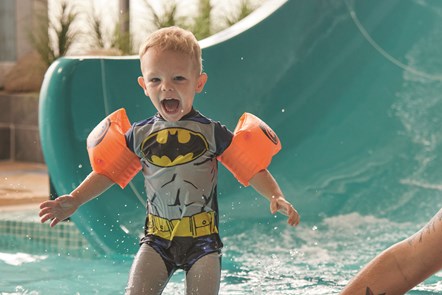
(178, 149)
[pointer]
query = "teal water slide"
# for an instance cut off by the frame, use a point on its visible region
(352, 88)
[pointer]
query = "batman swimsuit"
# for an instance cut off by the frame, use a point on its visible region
(180, 169)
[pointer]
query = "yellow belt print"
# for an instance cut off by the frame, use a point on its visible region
(198, 225)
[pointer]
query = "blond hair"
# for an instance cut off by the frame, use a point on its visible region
(177, 39)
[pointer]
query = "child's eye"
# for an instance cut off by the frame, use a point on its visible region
(179, 78)
(154, 80)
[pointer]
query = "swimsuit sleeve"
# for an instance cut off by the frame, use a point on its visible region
(223, 138)
(129, 136)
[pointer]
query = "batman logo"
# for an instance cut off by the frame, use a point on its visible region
(173, 146)
(269, 133)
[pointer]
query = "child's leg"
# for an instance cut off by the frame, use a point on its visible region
(148, 274)
(204, 276)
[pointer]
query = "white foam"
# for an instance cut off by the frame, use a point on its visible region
(19, 258)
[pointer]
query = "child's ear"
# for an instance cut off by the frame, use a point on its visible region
(142, 85)
(202, 79)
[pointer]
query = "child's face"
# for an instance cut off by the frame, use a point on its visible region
(170, 79)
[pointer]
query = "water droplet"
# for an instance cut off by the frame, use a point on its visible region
(80, 166)
(314, 227)
(282, 110)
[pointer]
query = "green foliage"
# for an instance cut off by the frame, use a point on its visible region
(122, 41)
(245, 8)
(168, 18)
(98, 37)
(53, 38)
(202, 22)
(60, 29)
(40, 39)
(117, 39)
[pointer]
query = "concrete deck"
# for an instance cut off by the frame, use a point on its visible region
(22, 185)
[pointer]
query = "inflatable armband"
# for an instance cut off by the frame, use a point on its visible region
(253, 145)
(108, 152)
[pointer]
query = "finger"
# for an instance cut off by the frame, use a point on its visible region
(294, 220)
(291, 220)
(293, 217)
(285, 208)
(297, 218)
(273, 207)
(49, 203)
(46, 217)
(54, 222)
(44, 211)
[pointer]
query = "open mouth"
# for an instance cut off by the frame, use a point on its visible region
(170, 105)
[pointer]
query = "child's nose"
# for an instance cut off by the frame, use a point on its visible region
(166, 87)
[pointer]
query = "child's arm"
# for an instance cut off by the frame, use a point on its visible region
(264, 183)
(64, 206)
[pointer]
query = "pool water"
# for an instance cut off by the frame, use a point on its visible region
(259, 258)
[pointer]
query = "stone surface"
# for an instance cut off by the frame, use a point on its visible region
(19, 133)
(23, 183)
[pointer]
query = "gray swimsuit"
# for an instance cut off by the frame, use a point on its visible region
(180, 170)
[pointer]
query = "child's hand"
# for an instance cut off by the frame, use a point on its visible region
(280, 204)
(58, 209)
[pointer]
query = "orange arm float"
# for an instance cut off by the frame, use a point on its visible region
(108, 152)
(253, 145)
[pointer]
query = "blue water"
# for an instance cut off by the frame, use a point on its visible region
(262, 258)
